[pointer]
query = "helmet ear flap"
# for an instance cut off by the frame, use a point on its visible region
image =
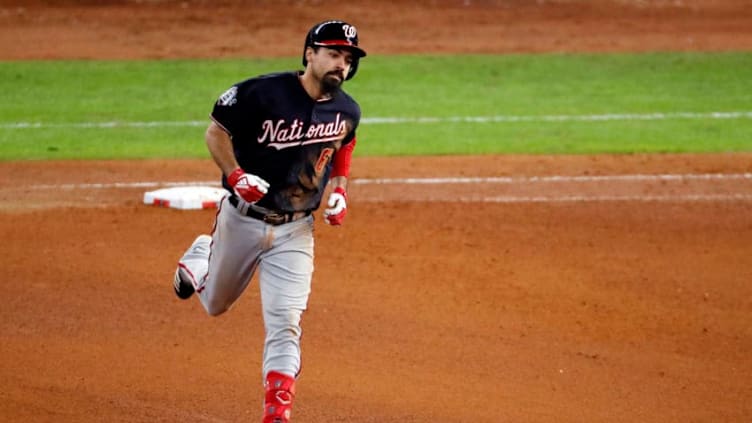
(353, 69)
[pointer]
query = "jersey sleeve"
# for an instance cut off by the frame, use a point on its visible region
(232, 106)
(343, 156)
(355, 121)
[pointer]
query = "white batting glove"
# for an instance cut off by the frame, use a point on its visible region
(337, 210)
(247, 186)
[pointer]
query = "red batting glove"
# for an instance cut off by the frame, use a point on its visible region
(337, 210)
(247, 186)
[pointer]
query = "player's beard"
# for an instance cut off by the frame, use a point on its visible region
(330, 83)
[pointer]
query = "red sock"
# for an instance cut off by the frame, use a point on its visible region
(280, 392)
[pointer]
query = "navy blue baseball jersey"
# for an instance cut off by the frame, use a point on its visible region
(284, 136)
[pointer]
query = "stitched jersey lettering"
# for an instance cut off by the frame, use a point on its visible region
(279, 135)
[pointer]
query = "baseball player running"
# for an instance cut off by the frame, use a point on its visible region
(278, 139)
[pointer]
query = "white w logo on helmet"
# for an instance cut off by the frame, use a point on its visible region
(349, 30)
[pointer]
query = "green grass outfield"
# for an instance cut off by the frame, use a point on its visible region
(548, 104)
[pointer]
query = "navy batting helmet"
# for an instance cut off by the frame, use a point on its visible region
(335, 34)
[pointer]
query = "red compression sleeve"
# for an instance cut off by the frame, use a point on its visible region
(341, 163)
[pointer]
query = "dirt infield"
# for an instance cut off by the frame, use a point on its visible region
(516, 289)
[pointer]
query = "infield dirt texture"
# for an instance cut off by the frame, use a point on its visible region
(543, 289)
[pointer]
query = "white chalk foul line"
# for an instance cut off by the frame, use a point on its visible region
(507, 199)
(563, 118)
(441, 181)
(124, 185)
(402, 120)
(607, 198)
(511, 199)
(553, 179)
(102, 125)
